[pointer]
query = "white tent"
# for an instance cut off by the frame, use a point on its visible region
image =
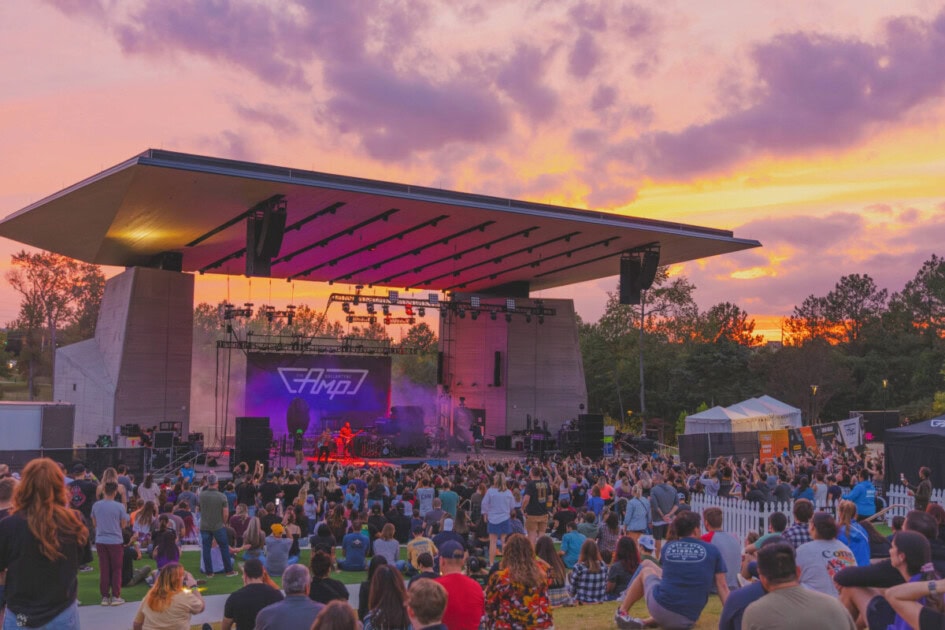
(754, 414)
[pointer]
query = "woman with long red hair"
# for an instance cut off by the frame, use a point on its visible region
(40, 546)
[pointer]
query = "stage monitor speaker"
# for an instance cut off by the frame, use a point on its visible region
(630, 272)
(163, 439)
(503, 442)
(497, 370)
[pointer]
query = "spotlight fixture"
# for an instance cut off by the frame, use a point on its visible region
(408, 309)
(370, 308)
(508, 318)
(422, 312)
(434, 298)
(393, 296)
(474, 315)
(462, 313)
(346, 307)
(386, 309)
(528, 318)
(492, 315)
(509, 304)
(474, 301)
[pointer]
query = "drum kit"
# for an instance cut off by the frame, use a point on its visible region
(365, 444)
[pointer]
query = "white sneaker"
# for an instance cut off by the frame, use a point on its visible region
(106, 601)
(627, 622)
(117, 601)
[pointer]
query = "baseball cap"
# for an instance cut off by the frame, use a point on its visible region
(452, 550)
(78, 469)
(277, 530)
(646, 541)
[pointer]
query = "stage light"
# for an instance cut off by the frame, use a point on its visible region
(508, 317)
(474, 315)
(408, 310)
(393, 296)
(422, 312)
(528, 318)
(370, 308)
(493, 315)
(462, 313)
(434, 298)
(509, 304)
(386, 309)
(346, 307)
(474, 301)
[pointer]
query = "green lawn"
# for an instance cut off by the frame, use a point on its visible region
(218, 585)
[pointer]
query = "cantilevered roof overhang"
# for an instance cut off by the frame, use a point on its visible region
(341, 229)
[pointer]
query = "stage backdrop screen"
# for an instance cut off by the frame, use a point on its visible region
(310, 392)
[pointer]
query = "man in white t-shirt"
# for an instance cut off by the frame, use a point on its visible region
(825, 556)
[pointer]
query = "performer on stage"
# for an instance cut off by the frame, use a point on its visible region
(346, 434)
(297, 447)
(324, 445)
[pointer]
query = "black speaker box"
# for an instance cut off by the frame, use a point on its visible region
(163, 439)
(630, 270)
(168, 261)
(503, 442)
(497, 370)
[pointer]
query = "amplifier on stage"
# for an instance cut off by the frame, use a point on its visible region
(488, 441)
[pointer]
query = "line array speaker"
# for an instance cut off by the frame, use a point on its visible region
(497, 369)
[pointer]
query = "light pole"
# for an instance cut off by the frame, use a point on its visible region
(813, 392)
(885, 387)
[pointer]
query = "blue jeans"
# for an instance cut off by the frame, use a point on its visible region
(66, 620)
(206, 540)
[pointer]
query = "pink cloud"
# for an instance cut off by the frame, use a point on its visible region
(815, 92)
(584, 56)
(521, 77)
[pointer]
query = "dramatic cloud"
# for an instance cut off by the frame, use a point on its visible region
(584, 56)
(267, 115)
(816, 92)
(522, 79)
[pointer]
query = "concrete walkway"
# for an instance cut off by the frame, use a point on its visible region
(119, 617)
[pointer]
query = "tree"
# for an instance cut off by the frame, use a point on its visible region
(924, 298)
(727, 322)
(56, 292)
(809, 322)
(854, 303)
(419, 368)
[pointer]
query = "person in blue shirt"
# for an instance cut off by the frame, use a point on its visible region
(852, 534)
(677, 593)
(863, 495)
(187, 473)
(354, 546)
(595, 504)
(571, 545)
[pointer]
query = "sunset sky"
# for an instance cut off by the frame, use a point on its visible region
(816, 127)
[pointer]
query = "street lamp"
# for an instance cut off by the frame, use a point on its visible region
(885, 388)
(813, 392)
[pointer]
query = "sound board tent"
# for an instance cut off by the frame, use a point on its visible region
(167, 215)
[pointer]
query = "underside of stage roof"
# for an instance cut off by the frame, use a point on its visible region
(341, 229)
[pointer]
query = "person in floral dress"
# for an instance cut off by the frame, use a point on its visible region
(517, 594)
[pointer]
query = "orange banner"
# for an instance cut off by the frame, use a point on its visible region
(772, 444)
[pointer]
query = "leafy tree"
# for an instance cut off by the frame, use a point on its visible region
(419, 368)
(57, 293)
(924, 298)
(727, 322)
(854, 303)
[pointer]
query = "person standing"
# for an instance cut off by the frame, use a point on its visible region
(108, 518)
(40, 543)
(297, 443)
(324, 445)
(535, 504)
(664, 504)
(497, 510)
(244, 604)
(214, 512)
(923, 491)
(863, 494)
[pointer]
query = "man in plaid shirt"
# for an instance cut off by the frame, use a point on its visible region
(799, 533)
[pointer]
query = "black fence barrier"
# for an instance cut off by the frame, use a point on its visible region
(94, 459)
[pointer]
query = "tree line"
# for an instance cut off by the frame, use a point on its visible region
(862, 346)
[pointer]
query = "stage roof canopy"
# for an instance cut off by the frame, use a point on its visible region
(341, 229)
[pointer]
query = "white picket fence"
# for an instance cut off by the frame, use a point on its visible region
(741, 517)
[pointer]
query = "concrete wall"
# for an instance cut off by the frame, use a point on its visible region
(541, 372)
(137, 369)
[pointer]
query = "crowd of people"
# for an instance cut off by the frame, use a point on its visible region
(485, 544)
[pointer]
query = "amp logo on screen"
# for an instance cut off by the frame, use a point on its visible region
(319, 381)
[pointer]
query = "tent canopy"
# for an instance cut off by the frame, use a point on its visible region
(908, 448)
(753, 414)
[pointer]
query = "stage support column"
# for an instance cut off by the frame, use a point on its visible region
(137, 368)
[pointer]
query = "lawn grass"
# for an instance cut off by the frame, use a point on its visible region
(218, 585)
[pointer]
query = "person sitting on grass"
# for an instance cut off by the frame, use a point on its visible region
(571, 545)
(171, 602)
(166, 549)
(132, 551)
(277, 551)
(558, 589)
(387, 602)
(589, 576)
(354, 546)
(420, 544)
(244, 604)
(677, 593)
(324, 588)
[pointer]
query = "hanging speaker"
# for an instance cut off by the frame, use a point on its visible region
(630, 272)
(651, 262)
(265, 227)
(497, 370)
